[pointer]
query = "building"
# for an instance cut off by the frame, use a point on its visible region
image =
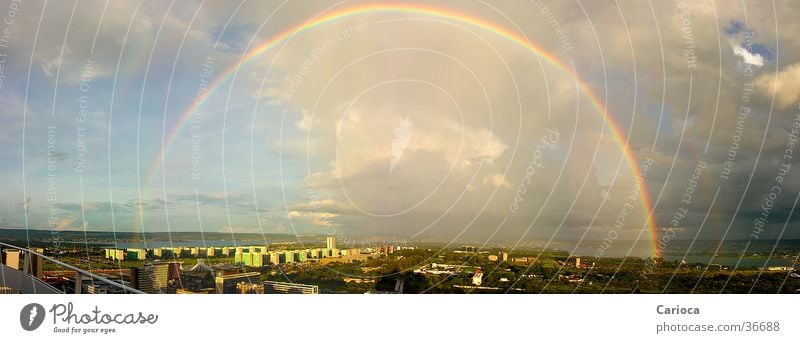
(136, 254)
(160, 273)
(11, 258)
(249, 288)
(469, 248)
(140, 281)
(330, 242)
(194, 291)
(37, 263)
(8, 290)
(180, 252)
(274, 257)
(226, 284)
(289, 256)
(102, 288)
(577, 262)
(493, 258)
(502, 256)
(523, 260)
(277, 287)
(153, 278)
(115, 254)
(257, 259)
(477, 279)
(174, 270)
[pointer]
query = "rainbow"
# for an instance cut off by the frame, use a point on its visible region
(431, 11)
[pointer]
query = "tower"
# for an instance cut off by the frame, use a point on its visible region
(331, 242)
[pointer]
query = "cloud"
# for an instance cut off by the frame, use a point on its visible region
(318, 219)
(747, 56)
(65, 224)
(471, 138)
(325, 205)
(496, 180)
(785, 86)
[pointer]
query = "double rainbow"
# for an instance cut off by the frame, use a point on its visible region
(431, 11)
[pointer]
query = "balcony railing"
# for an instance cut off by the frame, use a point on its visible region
(24, 282)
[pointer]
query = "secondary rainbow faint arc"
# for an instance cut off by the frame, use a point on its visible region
(429, 11)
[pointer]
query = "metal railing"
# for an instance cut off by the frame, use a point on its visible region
(27, 262)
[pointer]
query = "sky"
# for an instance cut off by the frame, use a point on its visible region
(414, 120)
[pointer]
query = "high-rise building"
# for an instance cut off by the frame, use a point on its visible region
(153, 278)
(226, 284)
(160, 274)
(140, 281)
(276, 287)
(330, 242)
(11, 258)
(37, 263)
